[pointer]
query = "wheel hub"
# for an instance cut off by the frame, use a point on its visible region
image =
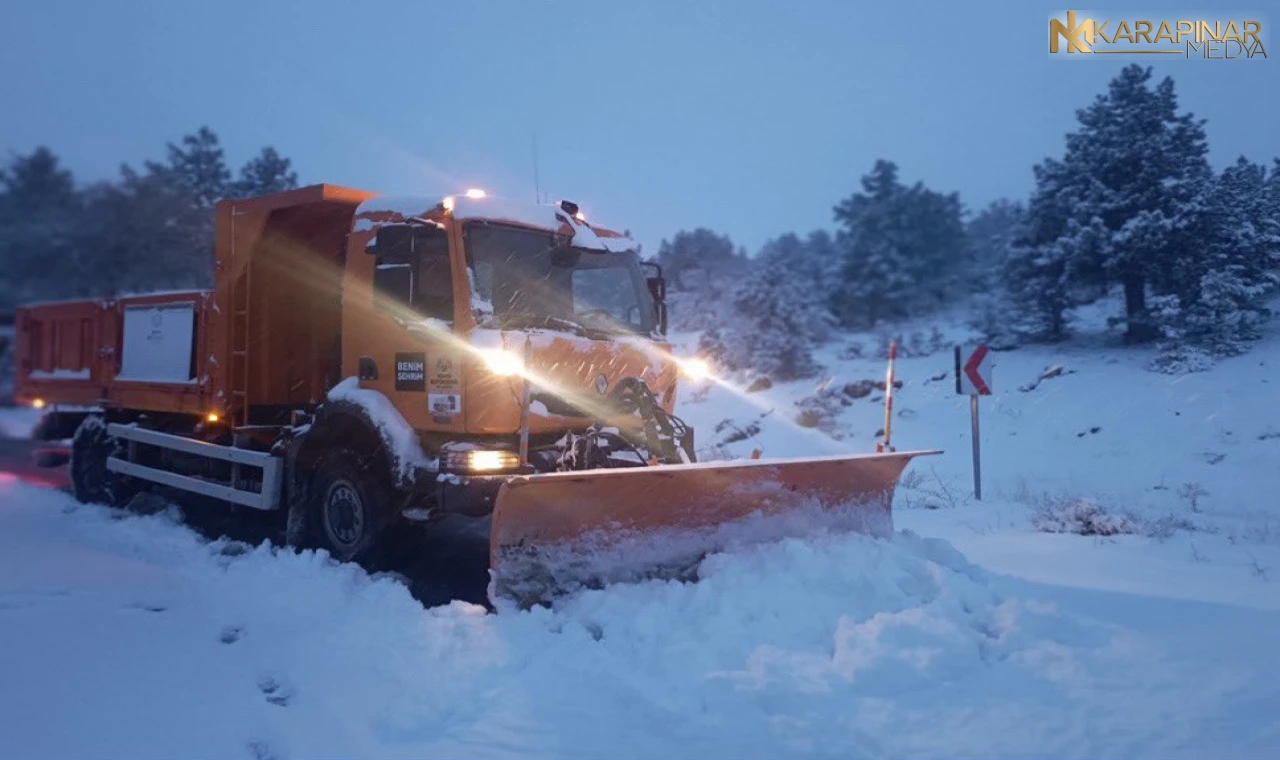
(344, 514)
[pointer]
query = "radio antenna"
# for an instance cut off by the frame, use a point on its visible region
(537, 186)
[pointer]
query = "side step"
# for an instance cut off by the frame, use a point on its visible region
(271, 466)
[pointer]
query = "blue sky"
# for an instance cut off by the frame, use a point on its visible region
(752, 118)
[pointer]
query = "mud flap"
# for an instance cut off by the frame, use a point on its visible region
(559, 532)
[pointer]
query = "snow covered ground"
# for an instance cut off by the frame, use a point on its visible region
(971, 633)
(132, 637)
(18, 422)
(1187, 466)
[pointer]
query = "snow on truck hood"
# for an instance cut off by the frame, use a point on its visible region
(541, 215)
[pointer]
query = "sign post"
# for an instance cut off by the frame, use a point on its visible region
(973, 378)
(977, 453)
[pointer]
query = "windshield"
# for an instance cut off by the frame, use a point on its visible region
(522, 279)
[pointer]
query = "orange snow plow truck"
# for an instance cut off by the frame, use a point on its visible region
(363, 360)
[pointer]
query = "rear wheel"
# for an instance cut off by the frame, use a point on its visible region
(93, 482)
(348, 505)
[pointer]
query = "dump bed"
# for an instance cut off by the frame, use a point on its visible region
(264, 340)
(142, 352)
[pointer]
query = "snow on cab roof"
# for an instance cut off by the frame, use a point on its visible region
(496, 209)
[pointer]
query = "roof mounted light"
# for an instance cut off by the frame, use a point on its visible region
(476, 192)
(570, 208)
(447, 203)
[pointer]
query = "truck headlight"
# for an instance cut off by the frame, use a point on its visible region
(482, 461)
(502, 362)
(696, 369)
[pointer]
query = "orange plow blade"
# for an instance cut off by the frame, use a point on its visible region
(557, 532)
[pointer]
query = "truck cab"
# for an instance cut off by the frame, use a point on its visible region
(450, 304)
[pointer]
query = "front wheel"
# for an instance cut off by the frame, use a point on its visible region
(348, 504)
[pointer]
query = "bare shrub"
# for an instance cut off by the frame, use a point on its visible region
(1083, 517)
(1192, 493)
(918, 491)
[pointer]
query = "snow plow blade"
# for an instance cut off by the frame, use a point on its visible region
(558, 532)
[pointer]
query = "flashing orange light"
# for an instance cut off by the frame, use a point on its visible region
(212, 418)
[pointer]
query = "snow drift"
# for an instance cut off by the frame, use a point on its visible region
(131, 636)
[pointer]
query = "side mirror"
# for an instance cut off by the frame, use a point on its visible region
(658, 289)
(662, 317)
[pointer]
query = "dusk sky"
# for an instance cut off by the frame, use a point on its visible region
(751, 118)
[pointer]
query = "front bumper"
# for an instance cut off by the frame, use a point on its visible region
(472, 495)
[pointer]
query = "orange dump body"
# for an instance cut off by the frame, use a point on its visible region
(556, 532)
(265, 337)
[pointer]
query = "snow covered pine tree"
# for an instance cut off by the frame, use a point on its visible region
(900, 249)
(783, 309)
(1216, 299)
(1115, 204)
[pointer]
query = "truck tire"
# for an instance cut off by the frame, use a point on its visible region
(348, 505)
(90, 478)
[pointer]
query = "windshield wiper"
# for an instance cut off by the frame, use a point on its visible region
(517, 321)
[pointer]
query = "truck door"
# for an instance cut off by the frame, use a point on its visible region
(406, 347)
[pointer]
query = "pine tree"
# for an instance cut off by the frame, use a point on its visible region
(1037, 272)
(146, 233)
(701, 268)
(269, 172)
(40, 211)
(992, 232)
(1217, 297)
(814, 268)
(698, 260)
(199, 165)
(714, 346)
(1132, 167)
(780, 312)
(900, 247)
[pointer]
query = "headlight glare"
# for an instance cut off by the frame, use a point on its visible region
(502, 362)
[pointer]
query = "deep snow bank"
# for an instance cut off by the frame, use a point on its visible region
(133, 637)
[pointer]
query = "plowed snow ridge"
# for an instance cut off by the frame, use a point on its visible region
(134, 637)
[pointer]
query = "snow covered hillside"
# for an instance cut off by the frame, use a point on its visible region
(1183, 471)
(974, 632)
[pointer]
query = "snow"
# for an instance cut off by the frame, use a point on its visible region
(19, 421)
(401, 439)
(105, 302)
(836, 646)
(486, 339)
(966, 633)
(429, 325)
(407, 206)
(122, 378)
(493, 208)
(59, 374)
(542, 216)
